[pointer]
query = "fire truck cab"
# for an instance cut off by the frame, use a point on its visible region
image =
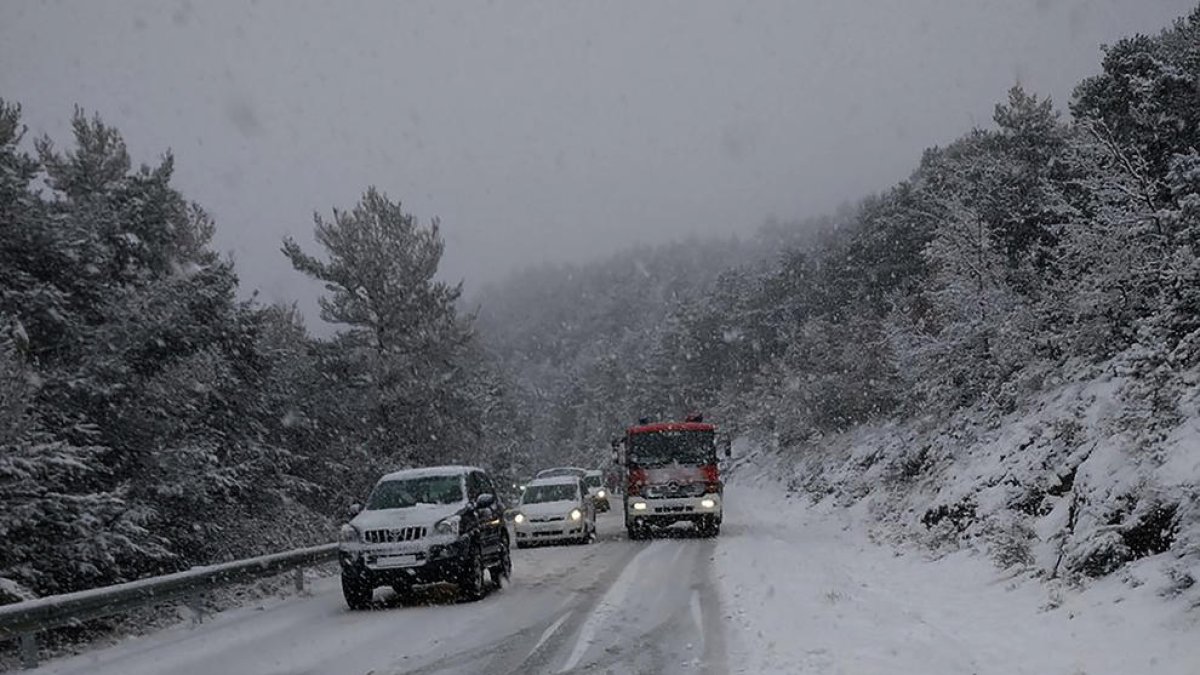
(671, 475)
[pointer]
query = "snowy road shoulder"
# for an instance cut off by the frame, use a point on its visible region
(805, 590)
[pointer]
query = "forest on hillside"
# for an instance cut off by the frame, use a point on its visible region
(1044, 250)
(151, 421)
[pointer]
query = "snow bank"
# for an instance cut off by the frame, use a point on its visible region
(1073, 485)
(807, 588)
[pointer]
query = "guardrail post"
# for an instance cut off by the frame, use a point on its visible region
(298, 578)
(29, 650)
(196, 607)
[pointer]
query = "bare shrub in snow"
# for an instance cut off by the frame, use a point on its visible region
(1010, 541)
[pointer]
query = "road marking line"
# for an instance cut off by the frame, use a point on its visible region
(549, 632)
(609, 605)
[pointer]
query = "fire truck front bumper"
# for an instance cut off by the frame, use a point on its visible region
(667, 510)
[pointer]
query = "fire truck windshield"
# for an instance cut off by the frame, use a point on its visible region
(668, 447)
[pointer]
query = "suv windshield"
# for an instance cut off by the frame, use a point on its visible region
(562, 492)
(667, 447)
(404, 493)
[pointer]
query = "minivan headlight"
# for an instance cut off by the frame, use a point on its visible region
(519, 518)
(576, 514)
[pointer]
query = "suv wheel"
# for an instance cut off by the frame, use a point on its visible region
(504, 568)
(357, 592)
(472, 584)
(638, 532)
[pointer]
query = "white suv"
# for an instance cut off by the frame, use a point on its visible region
(424, 526)
(594, 480)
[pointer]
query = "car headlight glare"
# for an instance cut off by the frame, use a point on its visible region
(519, 518)
(639, 506)
(447, 525)
(576, 514)
(349, 534)
(601, 494)
(707, 503)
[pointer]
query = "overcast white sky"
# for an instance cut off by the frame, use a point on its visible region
(540, 131)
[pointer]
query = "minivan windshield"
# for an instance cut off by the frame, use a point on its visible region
(561, 492)
(403, 493)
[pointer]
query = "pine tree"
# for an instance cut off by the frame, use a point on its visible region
(380, 274)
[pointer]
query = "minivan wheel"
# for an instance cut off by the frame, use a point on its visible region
(357, 592)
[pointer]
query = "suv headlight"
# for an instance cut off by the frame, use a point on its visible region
(576, 514)
(447, 525)
(349, 534)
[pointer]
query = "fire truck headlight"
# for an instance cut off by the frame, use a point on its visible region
(639, 506)
(707, 503)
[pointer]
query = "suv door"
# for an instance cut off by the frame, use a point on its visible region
(489, 519)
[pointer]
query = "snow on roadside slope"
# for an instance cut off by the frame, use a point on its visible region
(806, 590)
(1076, 482)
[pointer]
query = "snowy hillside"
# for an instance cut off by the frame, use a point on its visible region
(1073, 484)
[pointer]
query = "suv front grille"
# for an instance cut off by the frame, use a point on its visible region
(394, 535)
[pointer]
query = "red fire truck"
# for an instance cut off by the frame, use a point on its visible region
(670, 474)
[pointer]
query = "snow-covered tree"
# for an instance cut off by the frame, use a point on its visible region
(380, 273)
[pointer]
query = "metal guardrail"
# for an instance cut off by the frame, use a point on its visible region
(24, 620)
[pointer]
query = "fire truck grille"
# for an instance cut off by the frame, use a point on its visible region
(674, 490)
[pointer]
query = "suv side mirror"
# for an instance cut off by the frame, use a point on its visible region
(354, 509)
(485, 500)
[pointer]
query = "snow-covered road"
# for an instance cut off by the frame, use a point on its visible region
(615, 604)
(785, 589)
